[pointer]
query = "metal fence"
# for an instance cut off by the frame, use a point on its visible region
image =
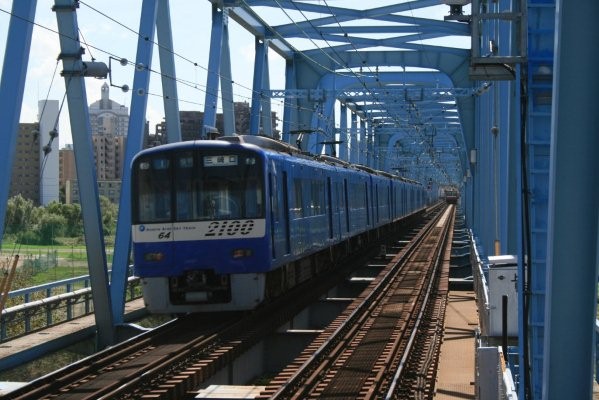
(41, 306)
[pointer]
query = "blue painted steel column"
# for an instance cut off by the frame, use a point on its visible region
(135, 136)
(323, 130)
(167, 67)
(517, 234)
(290, 108)
(259, 65)
(343, 137)
(573, 212)
(353, 133)
(12, 85)
(370, 145)
(214, 60)
(541, 38)
(226, 82)
(265, 110)
(362, 147)
(86, 170)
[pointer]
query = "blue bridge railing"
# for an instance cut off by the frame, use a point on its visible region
(38, 307)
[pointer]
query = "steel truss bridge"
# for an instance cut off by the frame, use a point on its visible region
(493, 97)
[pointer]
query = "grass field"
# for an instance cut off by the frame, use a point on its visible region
(43, 264)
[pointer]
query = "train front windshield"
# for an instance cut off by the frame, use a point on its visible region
(198, 185)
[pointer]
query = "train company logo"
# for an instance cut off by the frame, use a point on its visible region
(142, 228)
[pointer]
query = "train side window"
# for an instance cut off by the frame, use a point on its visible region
(316, 198)
(298, 207)
(253, 199)
(274, 204)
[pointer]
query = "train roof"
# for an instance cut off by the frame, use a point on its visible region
(263, 142)
(274, 145)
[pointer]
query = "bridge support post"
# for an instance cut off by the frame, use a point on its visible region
(571, 289)
(12, 85)
(73, 72)
(135, 137)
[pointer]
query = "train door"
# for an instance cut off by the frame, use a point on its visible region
(279, 207)
(367, 203)
(377, 204)
(346, 197)
(274, 212)
(390, 196)
(285, 194)
(330, 207)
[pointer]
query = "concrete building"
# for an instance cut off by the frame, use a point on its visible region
(108, 188)
(25, 179)
(192, 122)
(107, 116)
(109, 122)
(109, 152)
(49, 162)
(35, 173)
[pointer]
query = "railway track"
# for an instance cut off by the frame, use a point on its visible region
(174, 360)
(365, 351)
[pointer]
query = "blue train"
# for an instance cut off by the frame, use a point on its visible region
(225, 224)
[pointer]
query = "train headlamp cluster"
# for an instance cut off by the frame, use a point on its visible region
(154, 256)
(241, 253)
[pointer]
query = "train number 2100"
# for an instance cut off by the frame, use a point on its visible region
(230, 228)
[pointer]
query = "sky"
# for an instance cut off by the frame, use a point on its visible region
(191, 37)
(114, 33)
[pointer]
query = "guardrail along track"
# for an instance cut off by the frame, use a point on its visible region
(171, 361)
(395, 322)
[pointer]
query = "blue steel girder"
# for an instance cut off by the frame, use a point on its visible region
(73, 72)
(135, 135)
(457, 66)
(351, 42)
(12, 84)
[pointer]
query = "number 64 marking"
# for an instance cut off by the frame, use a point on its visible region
(164, 235)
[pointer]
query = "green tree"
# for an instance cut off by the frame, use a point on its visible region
(110, 211)
(72, 215)
(20, 215)
(49, 227)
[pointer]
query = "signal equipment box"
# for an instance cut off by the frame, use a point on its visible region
(503, 278)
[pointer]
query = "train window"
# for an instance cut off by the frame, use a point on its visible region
(316, 198)
(184, 187)
(274, 204)
(230, 187)
(298, 207)
(200, 186)
(154, 190)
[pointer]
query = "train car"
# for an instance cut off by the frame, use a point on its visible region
(225, 224)
(451, 196)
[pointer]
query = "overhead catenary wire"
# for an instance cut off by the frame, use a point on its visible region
(188, 83)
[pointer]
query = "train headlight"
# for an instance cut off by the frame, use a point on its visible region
(155, 256)
(240, 253)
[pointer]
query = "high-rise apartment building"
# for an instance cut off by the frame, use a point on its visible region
(109, 122)
(25, 179)
(35, 173)
(49, 162)
(109, 152)
(107, 116)
(193, 121)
